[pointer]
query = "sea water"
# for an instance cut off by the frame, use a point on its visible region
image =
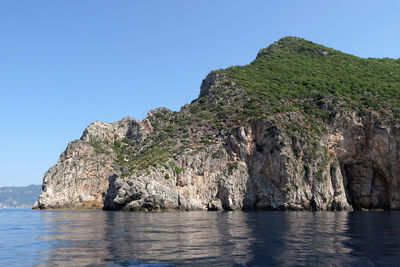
(99, 238)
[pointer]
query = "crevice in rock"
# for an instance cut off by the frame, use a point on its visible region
(343, 168)
(380, 191)
(313, 204)
(112, 191)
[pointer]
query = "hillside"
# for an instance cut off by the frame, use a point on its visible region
(302, 127)
(19, 197)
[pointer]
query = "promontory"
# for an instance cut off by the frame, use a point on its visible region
(302, 127)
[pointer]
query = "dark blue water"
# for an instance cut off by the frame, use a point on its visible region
(97, 238)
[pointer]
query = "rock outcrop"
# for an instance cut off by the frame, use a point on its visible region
(218, 154)
(80, 177)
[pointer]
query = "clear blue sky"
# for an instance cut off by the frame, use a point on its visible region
(64, 64)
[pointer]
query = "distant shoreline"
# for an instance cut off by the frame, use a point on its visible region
(19, 197)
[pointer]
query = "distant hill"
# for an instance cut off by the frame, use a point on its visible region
(19, 197)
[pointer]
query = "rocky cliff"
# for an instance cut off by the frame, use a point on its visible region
(303, 127)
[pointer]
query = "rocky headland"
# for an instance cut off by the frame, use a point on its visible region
(302, 127)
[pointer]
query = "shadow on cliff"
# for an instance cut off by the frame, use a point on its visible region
(111, 194)
(367, 187)
(261, 194)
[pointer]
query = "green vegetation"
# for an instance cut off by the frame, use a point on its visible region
(297, 75)
(232, 165)
(319, 175)
(179, 170)
(97, 145)
(291, 76)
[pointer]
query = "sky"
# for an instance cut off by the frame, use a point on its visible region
(65, 64)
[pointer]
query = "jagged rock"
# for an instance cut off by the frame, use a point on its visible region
(206, 84)
(80, 177)
(125, 128)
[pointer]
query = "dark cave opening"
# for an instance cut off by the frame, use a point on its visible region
(367, 187)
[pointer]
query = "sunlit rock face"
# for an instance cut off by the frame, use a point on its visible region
(80, 177)
(235, 148)
(247, 169)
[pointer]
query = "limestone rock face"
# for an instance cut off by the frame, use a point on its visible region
(368, 157)
(260, 167)
(80, 177)
(125, 128)
(229, 150)
(78, 180)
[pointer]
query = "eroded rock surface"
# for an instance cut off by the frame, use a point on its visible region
(80, 177)
(258, 167)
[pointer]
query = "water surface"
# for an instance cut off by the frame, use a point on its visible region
(98, 238)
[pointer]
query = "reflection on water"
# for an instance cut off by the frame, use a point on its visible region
(375, 240)
(300, 238)
(96, 238)
(102, 238)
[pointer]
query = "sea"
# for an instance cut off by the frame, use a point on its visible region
(264, 238)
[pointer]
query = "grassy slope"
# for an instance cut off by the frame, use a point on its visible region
(295, 74)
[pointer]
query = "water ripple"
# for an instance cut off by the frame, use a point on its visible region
(96, 238)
